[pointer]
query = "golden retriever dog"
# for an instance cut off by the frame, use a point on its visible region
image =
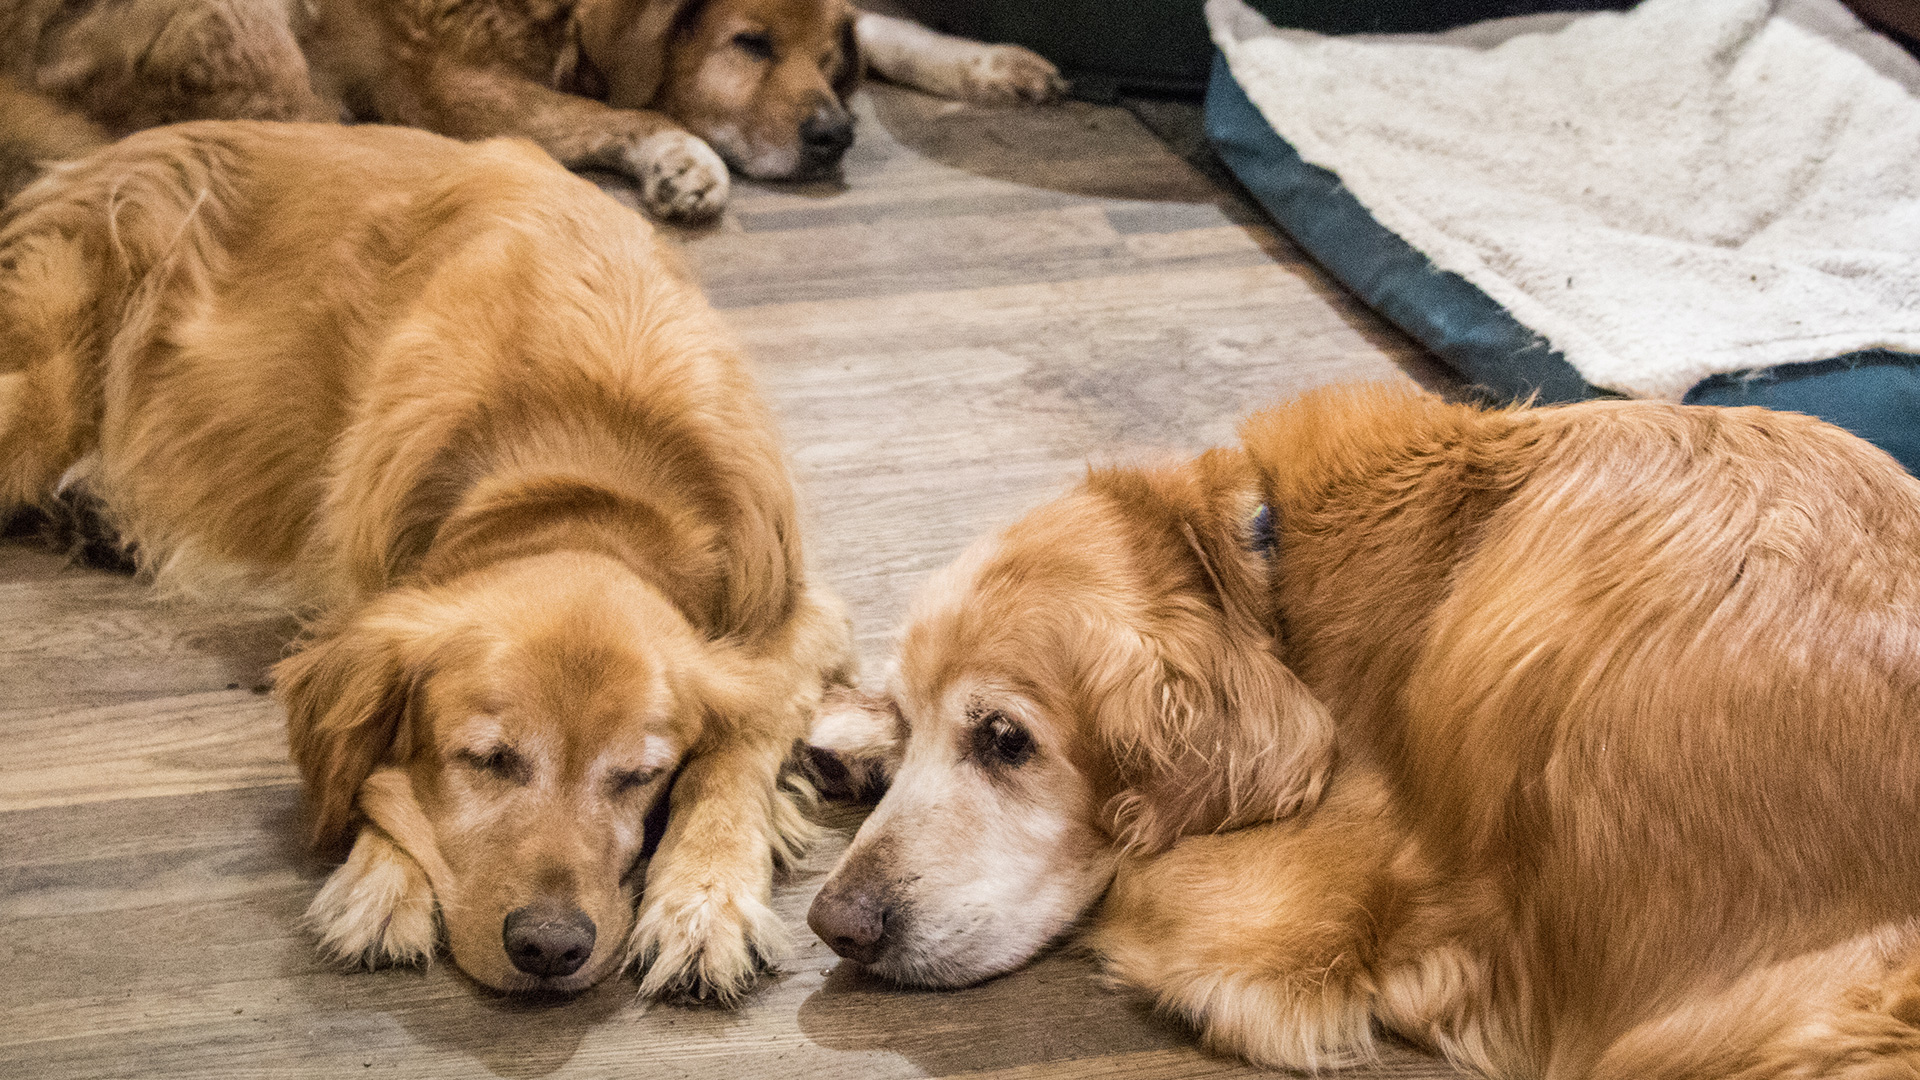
(466, 412)
(669, 92)
(1571, 742)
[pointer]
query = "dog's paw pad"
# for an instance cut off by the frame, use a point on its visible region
(681, 178)
(1011, 75)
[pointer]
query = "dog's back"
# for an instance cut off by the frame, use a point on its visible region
(1658, 696)
(295, 348)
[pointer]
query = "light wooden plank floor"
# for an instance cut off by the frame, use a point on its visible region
(991, 299)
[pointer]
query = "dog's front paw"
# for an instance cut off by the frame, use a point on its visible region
(681, 178)
(1010, 75)
(707, 945)
(378, 909)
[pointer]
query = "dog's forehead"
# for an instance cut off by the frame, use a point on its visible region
(1014, 608)
(561, 676)
(796, 18)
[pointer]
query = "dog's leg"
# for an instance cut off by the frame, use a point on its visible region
(1270, 939)
(50, 346)
(36, 132)
(910, 54)
(855, 745)
(141, 63)
(1848, 1012)
(681, 178)
(705, 928)
(378, 908)
(381, 907)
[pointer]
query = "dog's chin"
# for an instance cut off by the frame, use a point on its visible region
(783, 164)
(954, 964)
(535, 989)
(919, 971)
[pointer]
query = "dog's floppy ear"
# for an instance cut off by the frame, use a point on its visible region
(852, 66)
(1206, 729)
(1208, 736)
(1205, 736)
(626, 42)
(346, 692)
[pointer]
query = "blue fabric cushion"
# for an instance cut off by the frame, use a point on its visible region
(1875, 395)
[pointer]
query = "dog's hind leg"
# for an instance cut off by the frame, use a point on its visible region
(1848, 1012)
(1273, 940)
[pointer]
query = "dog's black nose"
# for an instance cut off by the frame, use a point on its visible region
(827, 133)
(853, 922)
(548, 938)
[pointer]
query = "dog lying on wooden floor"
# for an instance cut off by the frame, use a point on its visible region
(464, 410)
(1572, 742)
(669, 92)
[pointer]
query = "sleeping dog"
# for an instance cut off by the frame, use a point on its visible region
(467, 414)
(1572, 742)
(669, 92)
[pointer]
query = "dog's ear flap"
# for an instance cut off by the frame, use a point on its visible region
(1203, 727)
(347, 693)
(626, 42)
(1210, 739)
(852, 65)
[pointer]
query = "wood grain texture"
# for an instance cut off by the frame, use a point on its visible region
(989, 301)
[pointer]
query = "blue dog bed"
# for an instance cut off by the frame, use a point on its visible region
(1874, 393)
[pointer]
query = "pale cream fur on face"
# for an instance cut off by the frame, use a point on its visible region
(1019, 858)
(1018, 861)
(1035, 677)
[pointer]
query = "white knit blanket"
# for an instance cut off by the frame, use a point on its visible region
(1692, 187)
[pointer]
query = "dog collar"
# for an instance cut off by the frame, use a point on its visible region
(1260, 531)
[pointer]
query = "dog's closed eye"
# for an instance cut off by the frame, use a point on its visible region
(755, 43)
(999, 741)
(627, 781)
(500, 762)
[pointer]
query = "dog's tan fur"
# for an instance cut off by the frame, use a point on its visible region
(1624, 769)
(670, 92)
(471, 416)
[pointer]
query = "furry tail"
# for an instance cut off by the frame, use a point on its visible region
(36, 131)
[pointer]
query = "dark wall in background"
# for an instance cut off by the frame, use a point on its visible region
(1161, 46)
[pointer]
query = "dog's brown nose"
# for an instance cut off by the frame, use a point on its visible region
(852, 921)
(548, 938)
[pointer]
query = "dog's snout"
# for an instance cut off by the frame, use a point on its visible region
(548, 938)
(852, 921)
(827, 132)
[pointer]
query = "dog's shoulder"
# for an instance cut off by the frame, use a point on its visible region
(1377, 449)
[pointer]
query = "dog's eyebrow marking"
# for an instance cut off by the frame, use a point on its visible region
(657, 752)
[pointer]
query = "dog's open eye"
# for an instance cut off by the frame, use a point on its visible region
(755, 43)
(626, 781)
(497, 761)
(998, 740)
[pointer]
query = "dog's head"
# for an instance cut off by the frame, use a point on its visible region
(508, 731)
(764, 82)
(1101, 677)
